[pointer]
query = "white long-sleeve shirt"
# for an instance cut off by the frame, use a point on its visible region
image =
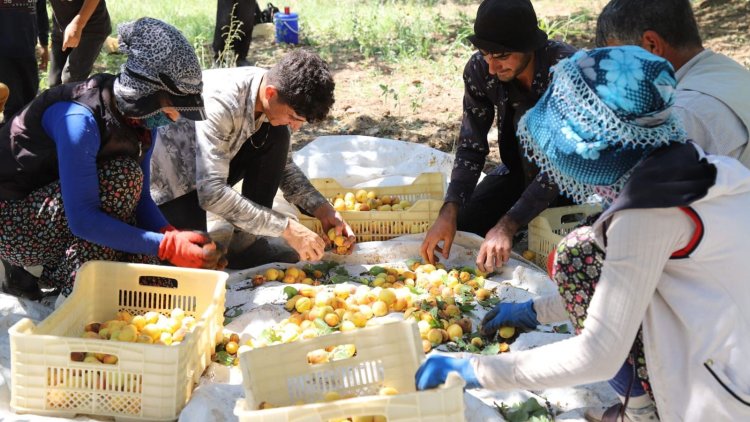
(694, 311)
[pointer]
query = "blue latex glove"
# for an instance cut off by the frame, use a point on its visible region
(434, 371)
(520, 315)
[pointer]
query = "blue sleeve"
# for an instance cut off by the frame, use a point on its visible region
(148, 215)
(76, 134)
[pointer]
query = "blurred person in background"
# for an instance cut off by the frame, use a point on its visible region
(22, 23)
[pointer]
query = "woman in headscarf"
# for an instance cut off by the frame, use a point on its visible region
(659, 281)
(74, 164)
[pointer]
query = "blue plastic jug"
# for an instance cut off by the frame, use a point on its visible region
(287, 29)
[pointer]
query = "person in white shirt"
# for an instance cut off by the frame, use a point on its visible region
(713, 91)
(660, 278)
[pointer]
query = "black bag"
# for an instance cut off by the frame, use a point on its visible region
(265, 15)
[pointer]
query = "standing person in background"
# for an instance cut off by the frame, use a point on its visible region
(243, 13)
(75, 165)
(506, 76)
(79, 30)
(22, 22)
(713, 91)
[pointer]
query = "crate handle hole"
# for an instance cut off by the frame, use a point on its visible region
(362, 418)
(150, 280)
(94, 358)
(573, 218)
(331, 353)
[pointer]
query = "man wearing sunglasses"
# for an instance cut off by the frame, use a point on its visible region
(503, 79)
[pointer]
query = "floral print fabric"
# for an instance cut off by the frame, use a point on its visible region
(34, 230)
(577, 267)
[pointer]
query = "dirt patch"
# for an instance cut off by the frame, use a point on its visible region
(421, 101)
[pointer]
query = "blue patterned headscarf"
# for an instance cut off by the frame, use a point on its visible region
(605, 111)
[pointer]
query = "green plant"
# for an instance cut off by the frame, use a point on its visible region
(227, 57)
(562, 27)
(389, 92)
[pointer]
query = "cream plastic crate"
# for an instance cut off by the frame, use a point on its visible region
(424, 186)
(548, 229)
(383, 225)
(425, 193)
(386, 355)
(149, 382)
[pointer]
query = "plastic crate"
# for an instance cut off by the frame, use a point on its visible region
(548, 229)
(149, 381)
(426, 194)
(386, 355)
(424, 186)
(384, 225)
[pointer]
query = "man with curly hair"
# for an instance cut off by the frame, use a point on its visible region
(251, 113)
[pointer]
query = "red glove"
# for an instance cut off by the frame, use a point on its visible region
(551, 263)
(167, 228)
(186, 249)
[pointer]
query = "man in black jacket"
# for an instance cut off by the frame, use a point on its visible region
(504, 78)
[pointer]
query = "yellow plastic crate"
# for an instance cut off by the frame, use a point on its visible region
(548, 229)
(386, 355)
(426, 194)
(383, 225)
(149, 381)
(424, 186)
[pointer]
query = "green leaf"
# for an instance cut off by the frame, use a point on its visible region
(528, 411)
(375, 270)
(270, 335)
(290, 292)
(224, 358)
(563, 329)
(411, 261)
(337, 279)
(469, 270)
(416, 290)
(491, 349)
(321, 327)
(466, 308)
(490, 302)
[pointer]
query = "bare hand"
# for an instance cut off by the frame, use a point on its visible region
(330, 218)
(72, 35)
(444, 229)
(308, 244)
(215, 256)
(497, 245)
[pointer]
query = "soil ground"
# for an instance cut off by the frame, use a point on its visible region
(429, 108)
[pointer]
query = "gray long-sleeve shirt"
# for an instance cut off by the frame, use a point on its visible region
(196, 155)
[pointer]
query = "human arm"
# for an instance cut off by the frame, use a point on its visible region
(640, 243)
(442, 230)
(77, 139)
(298, 190)
(76, 135)
(147, 213)
(478, 115)
(74, 30)
(498, 242)
(42, 24)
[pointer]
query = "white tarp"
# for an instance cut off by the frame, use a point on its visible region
(357, 161)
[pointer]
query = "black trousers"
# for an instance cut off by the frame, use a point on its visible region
(75, 64)
(492, 198)
(22, 77)
(259, 164)
(244, 13)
